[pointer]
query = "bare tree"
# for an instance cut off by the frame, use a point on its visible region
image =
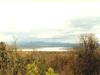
(15, 42)
(86, 62)
(88, 43)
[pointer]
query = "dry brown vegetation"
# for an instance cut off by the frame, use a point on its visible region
(84, 60)
(59, 61)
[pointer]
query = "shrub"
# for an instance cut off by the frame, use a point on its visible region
(51, 72)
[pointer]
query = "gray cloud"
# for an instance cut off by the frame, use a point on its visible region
(79, 26)
(85, 23)
(70, 34)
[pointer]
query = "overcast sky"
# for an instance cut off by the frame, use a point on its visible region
(62, 20)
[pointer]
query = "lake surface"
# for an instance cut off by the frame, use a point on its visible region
(46, 49)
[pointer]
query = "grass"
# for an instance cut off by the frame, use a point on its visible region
(39, 63)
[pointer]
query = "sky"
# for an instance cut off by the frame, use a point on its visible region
(48, 19)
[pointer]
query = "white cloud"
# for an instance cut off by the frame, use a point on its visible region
(41, 18)
(6, 38)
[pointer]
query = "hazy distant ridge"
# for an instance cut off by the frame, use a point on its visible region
(37, 44)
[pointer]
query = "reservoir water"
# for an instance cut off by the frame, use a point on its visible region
(58, 49)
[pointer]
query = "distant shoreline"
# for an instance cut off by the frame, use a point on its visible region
(58, 49)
